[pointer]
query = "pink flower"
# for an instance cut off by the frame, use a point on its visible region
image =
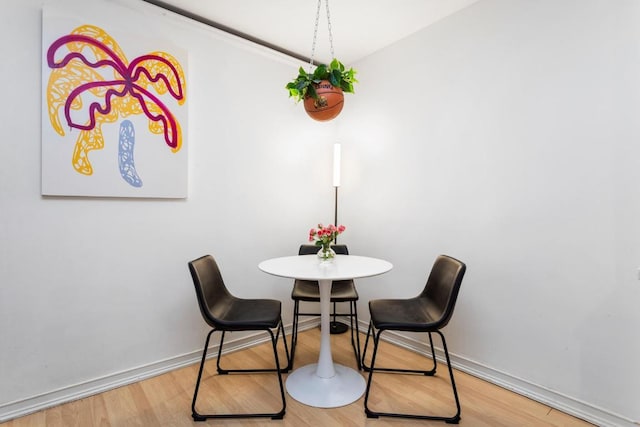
(324, 235)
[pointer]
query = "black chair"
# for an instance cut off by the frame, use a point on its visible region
(428, 312)
(227, 313)
(341, 291)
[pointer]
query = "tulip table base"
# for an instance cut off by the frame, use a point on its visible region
(325, 384)
(345, 387)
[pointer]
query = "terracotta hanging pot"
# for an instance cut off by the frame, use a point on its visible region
(328, 104)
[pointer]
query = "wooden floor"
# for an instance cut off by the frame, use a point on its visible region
(166, 400)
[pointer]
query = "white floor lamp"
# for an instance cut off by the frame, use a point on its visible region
(336, 327)
(336, 180)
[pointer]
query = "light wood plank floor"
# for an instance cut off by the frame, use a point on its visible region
(166, 399)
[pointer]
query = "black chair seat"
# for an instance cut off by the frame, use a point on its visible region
(403, 315)
(308, 290)
(247, 314)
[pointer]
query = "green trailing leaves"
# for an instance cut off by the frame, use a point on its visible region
(335, 73)
(320, 72)
(335, 78)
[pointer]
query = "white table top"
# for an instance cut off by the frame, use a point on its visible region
(309, 267)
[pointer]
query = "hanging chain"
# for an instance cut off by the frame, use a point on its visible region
(333, 55)
(315, 33)
(315, 36)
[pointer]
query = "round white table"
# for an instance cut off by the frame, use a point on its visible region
(325, 384)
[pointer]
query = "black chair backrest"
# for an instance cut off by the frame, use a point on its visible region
(442, 288)
(313, 249)
(213, 296)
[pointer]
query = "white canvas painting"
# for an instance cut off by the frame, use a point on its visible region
(114, 118)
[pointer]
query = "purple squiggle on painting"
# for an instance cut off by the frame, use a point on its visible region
(130, 74)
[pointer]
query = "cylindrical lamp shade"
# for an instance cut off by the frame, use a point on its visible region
(336, 165)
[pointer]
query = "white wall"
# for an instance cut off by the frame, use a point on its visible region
(504, 135)
(97, 290)
(508, 135)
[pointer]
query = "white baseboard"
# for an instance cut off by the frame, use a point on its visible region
(533, 391)
(553, 399)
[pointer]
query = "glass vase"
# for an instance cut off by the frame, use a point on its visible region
(326, 254)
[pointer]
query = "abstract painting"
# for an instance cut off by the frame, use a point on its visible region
(114, 113)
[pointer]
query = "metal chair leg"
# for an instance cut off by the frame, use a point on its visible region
(194, 413)
(364, 351)
(367, 411)
(220, 370)
(294, 333)
(286, 348)
(455, 419)
(353, 318)
(274, 343)
(430, 372)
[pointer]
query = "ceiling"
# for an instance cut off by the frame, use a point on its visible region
(359, 27)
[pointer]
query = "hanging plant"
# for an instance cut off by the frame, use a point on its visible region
(322, 91)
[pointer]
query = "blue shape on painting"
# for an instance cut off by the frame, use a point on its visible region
(126, 144)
